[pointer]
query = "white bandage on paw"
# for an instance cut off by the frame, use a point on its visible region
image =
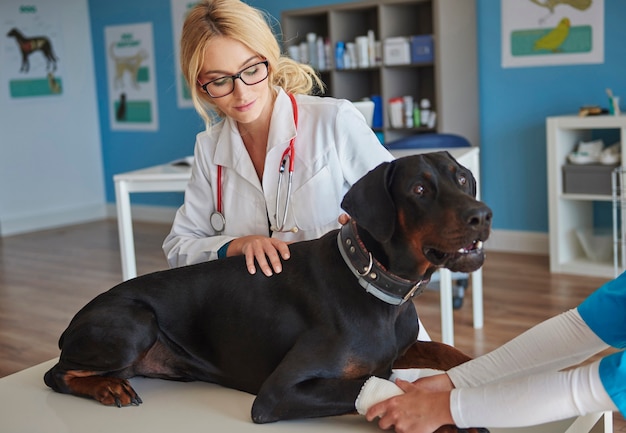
(374, 391)
(412, 374)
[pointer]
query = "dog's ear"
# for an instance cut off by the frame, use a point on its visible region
(369, 202)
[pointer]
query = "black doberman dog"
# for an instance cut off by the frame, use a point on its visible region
(304, 340)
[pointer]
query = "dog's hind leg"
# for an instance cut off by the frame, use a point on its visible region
(107, 390)
(100, 349)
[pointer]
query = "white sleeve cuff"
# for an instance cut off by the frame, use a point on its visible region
(374, 391)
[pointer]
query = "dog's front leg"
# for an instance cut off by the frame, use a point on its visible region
(431, 354)
(309, 398)
(309, 385)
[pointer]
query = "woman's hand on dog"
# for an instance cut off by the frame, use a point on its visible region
(268, 253)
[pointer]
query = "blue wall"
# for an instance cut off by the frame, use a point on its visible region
(122, 150)
(514, 103)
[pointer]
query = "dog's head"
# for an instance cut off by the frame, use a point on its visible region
(421, 211)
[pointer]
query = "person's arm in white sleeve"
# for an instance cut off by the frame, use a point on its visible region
(554, 344)
(531, 400)
(523, 401)
(192, 239)
(523, 372)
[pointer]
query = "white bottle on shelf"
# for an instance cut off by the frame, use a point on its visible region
(311, 39)
(424, 112)
(408, 111)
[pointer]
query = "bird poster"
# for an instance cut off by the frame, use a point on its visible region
(131, 76)
(552, 32)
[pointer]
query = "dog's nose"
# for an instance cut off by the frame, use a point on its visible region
(479, 217)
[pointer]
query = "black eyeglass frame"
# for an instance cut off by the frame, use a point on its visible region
(234, 77)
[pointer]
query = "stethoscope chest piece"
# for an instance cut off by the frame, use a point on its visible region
(218, 222)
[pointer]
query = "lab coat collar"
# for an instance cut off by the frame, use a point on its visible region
(230, 151)
(282, 127)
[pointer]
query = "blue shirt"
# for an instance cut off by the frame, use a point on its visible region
(604, 311)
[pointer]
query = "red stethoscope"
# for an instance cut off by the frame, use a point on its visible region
(218, 222)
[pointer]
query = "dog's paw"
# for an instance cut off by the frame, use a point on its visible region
(110, 391)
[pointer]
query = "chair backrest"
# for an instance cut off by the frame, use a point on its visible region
(427, 141)
(366, 107)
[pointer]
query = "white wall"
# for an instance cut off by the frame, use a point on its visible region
(50, 149)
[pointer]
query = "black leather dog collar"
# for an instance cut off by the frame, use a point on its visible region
(371, 275)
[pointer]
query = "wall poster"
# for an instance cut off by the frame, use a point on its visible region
(131, 77)
(31, 49)
(550, 32)
(180, 8)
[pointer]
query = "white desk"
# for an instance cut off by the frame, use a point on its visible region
(167, 178)
(160, 178)
(29, 406)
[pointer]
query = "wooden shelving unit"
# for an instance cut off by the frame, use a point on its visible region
(450, 81)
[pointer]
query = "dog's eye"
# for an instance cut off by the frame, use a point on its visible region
(419, 190)
(462, 180)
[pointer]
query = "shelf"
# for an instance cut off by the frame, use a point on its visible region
(450, 81)
(569, 212)
(587, 197)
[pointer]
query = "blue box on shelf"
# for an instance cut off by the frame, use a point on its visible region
(422, 49)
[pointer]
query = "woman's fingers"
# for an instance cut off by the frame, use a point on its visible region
(267, 252)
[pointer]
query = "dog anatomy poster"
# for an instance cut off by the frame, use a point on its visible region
(552, 32)
(131, 77)
(31, 51)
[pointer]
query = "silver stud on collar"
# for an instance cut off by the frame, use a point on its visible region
(369, 267)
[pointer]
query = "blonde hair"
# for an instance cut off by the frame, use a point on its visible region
(237, 20)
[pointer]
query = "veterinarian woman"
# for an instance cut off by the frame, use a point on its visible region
(520, 383)
(235, 202)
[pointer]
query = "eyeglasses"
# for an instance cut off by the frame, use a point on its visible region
(225, 85)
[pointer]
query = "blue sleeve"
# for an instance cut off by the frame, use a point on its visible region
(221, 253)
(604, 311)
(613, 377)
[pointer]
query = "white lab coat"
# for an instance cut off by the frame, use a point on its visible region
(334, 147)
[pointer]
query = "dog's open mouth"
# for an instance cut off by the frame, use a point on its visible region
(468, 254)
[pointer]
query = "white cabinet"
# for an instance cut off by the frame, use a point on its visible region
(449, 81)
(569, 212)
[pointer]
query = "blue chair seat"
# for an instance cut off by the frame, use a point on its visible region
(428, 141)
